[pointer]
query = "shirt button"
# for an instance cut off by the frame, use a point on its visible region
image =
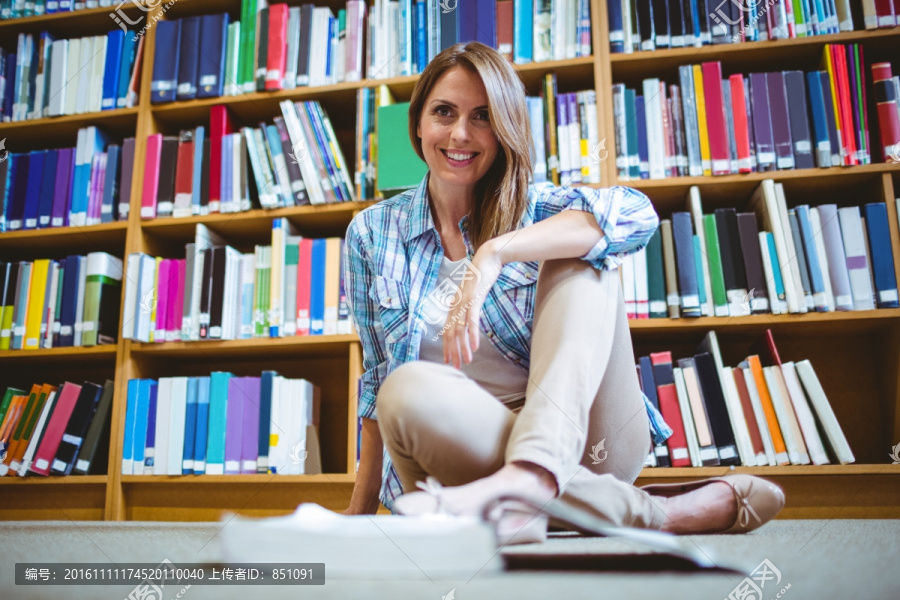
(387, 301)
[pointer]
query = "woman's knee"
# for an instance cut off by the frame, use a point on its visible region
(404, 389)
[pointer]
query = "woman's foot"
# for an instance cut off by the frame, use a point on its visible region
(709, 509)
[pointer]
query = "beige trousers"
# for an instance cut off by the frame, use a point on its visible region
(582, 395)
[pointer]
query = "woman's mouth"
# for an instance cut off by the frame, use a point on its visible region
(458, 158)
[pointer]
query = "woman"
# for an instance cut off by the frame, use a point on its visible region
(485, 372)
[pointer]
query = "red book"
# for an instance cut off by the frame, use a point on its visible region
(885, 11)
(151, 176)
(219, 126)
(304, 285)
(504, 28)
(752, 424)
(276, 55)
(741, 124)
(715, 118)
(848, 132)
(55, 428)
(664, 377)
(886, 103)
(184, 175)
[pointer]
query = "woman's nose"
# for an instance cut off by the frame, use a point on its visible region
(460, 130)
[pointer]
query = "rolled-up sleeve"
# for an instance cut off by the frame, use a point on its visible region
(625, 215)
(366, 320)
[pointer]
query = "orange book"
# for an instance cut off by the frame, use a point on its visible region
(781, 456)
(16, 446)
(9, 422)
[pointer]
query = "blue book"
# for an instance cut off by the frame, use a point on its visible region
(199, 166)
(190, 426)
(91, 141)
(421, 39)
(776, 268)
(128, 439)
(218, 406)
(616, 31)
(188, 59)
(273, 141)
(643, 151)
(48, 187)
(694, 17)
(150, 438)
(214, 34)
(449, 28)
(830, 118)
(683, 234)
(227, 160)
(817, 281)
(16, 215)
(8, 192)
(317, 288)
(487, 24)
(141, 420)
(33, 193)
(115, 41)
(201, 437)
(126, 66)
(165, 61)
(880, 251)
(820, 122)
(468, 22)
(110, 184)
(523, 31)
(69, 301)
(266, 384)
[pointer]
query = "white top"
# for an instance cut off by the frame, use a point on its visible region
(489, 368)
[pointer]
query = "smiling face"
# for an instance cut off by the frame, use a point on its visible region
(458, 142)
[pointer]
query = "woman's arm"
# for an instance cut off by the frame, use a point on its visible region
(364, 500)
(569, 234)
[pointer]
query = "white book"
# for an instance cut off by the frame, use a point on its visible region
(355, 24)
(79, 305)
(233, 267)
(48, 318)
(653, 116)
(857, 258)
(298, 140)
(738, 420)
(98, 65)
(36, 434)
(73, 67)
(318, 47)
(760, 415)
(709, 453)
(833, 432)
(805, 301)
(277, 438)
(597, 153)
(819, 239)
(231, 60)
(83, 75)
(696, 208)
(641, 287)
(765, 203)
(690, 432)
(804, 415)
(293, 48)
(790, 429)
(163, 425)
(144, 300)
(176, 418)
(59, 52)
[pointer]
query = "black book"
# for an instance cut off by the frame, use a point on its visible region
(82, 414)
(643, 12)
(95, 449)
(758, 295)
(706, 439)
(649, 385)
(262, 49)
(719, 26)
(661, 23)
(716, 410)
(306, 12)
(703, 15)
(206, 284)
(298, 188)
(165, 203)
(683, 234)
(676, 24)
(690, 36)
(736, 22)
(795, 83)
(217, 291)
(732, 264)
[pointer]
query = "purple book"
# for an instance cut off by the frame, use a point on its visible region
(762, 122)
(234, 425)
(250, 446)
(94, 195)
(781, 124)
(59, 217)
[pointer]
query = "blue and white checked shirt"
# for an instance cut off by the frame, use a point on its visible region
(391, 262)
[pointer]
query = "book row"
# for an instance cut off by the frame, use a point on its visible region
(294, 162)
(763, 412)
(708, 125)
(55, 429)
(85, 185)
(221, 424)
(60, 303)
(724, 264)
(658, 24)
(292, 287)
(16, 9)
(46, 77)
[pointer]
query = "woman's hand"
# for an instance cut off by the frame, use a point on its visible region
(461, 332)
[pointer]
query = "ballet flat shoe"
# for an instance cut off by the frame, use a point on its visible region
(758, 500)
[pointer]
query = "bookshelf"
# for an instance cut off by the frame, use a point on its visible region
(856, 354)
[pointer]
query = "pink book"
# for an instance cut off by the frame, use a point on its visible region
(151, 176)
(304, 285)
(715, 118)
(162, 301)
(356, 22)
(94, 195)
(56, 427)
(176, 293)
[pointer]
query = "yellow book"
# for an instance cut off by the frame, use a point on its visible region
(701, 120)
(332, 283)
(550, 116)
(828, 66)
(36, 304)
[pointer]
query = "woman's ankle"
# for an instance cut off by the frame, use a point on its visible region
(530, 474)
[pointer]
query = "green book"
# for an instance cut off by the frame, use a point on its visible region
(800, 18)
(247, 79)
(102, 292)
(29, 415)
(232, 58)
(257, 296)
(698, 264)
(716, 275)
(399, 168)
(7, 400)
(656, 283)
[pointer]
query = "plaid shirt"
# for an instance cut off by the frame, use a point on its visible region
(391, 264)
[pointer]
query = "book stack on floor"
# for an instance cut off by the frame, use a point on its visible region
(770, 259)
(55, 429)
(221, 424)
(46, 77)
(292, 287)
(707, 125)
(296, 161)
(763, 412)
(60, 303)
(85, 185)
(660, 24)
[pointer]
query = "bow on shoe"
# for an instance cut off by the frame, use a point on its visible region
(745, 511)
(433, 488)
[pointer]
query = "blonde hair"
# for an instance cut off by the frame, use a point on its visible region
(501, 196)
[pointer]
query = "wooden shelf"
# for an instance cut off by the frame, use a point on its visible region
(90, 21)
(62, 131)
(205, 480)
(313, 345)
(36, 480)
(31, 243)
(51, 355)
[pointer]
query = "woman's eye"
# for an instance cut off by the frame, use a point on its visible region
(442, 111)
(482, 115)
